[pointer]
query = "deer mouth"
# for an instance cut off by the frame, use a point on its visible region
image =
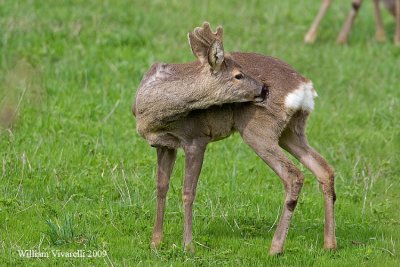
(263, 95)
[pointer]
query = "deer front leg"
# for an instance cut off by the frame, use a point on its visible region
(194, 155)
(312, 32)
(379, 30)
(397, 34)
(344, 33)
(165, 163)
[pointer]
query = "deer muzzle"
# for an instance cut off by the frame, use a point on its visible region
(263, 94)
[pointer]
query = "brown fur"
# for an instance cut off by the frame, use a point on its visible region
(168, 92)
(393, 6)
(265, 127)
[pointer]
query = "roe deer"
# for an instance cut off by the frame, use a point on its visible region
(169, 91)
(392, 5)
(279, 121)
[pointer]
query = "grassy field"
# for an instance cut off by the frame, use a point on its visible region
(74, 175)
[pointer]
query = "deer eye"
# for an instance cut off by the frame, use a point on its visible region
(239, 76)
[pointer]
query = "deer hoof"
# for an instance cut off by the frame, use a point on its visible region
(156, 241)
(275, 251)
(189, 248)
(380, 37)
(330, 245)
(309, 38)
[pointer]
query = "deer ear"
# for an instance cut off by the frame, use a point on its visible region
(216, 55)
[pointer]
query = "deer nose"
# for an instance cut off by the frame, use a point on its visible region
(263, 94)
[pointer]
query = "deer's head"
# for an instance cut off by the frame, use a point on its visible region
(222, 72)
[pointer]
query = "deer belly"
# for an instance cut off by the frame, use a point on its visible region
(219, 121)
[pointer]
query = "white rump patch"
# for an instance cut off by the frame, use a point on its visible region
(301, 98)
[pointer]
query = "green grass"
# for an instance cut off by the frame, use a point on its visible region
(74, 175)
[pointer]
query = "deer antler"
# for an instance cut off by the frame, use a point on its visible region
(206, 36)
(202, 39)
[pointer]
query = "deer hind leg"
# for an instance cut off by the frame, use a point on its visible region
(165, 163)
(194, 155)
(312, 32)
(397, 33)
(268, 149)
(344, 33)
(295, 142)
(379, 30)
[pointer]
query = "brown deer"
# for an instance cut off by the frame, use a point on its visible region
(267, 127)
(393, 6)
(169, 91)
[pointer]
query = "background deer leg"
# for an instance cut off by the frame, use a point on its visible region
(194, 155)
(312, 32)
(291, 176)
(397, 34)
(165, 163)
(294, 141)
(379, 30)
(344, 33)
